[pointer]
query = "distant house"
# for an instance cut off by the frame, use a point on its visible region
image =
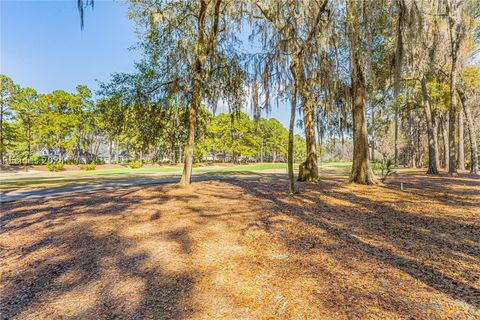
(214, 155)
(42, 152)
(123, 156)
(52, 154)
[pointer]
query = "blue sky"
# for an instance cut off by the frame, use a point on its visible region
(42, 46)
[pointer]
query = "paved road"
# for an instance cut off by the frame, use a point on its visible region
(60, 191)
(88, 187)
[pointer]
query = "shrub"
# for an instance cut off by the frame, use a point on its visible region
(70, 161)
(377, 166)
(88, 167)
(196, 165)
(38, 160)
(135, 164)
(387, 169)
(96, 161)
(55, 166)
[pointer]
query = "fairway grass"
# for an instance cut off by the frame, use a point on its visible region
(34, 180)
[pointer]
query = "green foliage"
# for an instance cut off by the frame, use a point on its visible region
(8, 132)
(237, 135)
(232, 133)
(135, 164)
(88, 167)
(274, 137)
(96, 161)
(468, 163)
(376, 166)
(55, 166)
(385, 168)
(18, 154)
(299, 151)
(38, 160)
(26, 112)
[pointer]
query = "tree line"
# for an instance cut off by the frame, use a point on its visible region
(75, 125)
(366, 69)
(397, 77)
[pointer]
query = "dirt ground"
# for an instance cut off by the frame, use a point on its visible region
(245, 249)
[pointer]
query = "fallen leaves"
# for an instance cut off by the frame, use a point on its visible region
(244, 248)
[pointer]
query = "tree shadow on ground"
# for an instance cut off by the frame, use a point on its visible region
(462, 190)
(110, 274)
(81, 251)
(410, 242)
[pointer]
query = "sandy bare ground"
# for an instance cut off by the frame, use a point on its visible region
(244, 249)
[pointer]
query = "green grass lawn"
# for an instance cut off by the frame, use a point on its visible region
(69, 178)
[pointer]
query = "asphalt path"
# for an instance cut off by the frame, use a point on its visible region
(45, 193)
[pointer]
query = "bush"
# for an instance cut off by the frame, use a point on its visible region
(70, 161)
(55, 167)
(468, 163)
(377, 166)
(38, 160)
(19, 154)
(197, 165)
(17, 157)
(135, 164)
(387, 169)
(88, 167)
(96, 161)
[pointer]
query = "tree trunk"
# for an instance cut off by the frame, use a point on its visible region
(431, 128)
(452, 112)
(200, 56)
(445, 142)
(398, 71)
(1, 135)
(192, 121)
(420, 151)
(261, 152)
(411, 144)
(361, 171)
(96, 150)
(395, 143)
(174, 153)
(117, 151)
(77, 157)
(29, 149)
(291, 128)
(308, 170)
(110, 148)
(452, 120)
(435, 140)
(373, 134)
(461, 142)
(471, 133)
